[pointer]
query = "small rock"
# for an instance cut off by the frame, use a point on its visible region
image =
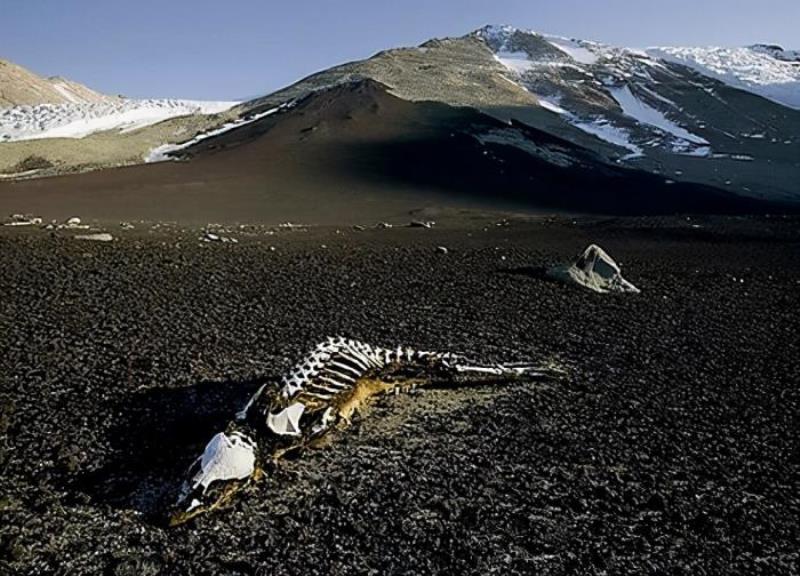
(442, 250)
(102, 237)
(74, 223)
(23, 220)
(422, 224)
(292, 226)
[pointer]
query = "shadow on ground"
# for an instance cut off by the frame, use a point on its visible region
(537, 272)
(158, 435)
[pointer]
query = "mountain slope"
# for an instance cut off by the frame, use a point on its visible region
(355, 153)
(77, 120)
(769, 71)
(52, 125)
(629, 106)
(21, 87)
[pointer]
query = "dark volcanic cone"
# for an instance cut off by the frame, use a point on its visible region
(355, 151)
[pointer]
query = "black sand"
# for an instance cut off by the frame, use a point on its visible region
(672, 448)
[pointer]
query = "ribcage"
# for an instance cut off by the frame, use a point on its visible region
(331, 368)
(312, 388)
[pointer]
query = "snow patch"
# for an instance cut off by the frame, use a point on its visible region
(644, 114)
(518, 62)
(573, 49)
(162, 153)
(64, 90)
(754, 70)
(552, 106)
(603, 129)
(77, 120)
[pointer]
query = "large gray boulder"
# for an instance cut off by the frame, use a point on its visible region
(595, 270)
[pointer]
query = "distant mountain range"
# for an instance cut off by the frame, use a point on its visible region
(19, 87)
(723, 122)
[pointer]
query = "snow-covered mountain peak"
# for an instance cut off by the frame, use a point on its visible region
(497, 36)
(767, 70)
(778, 52)
(763, 70)
(538, 46)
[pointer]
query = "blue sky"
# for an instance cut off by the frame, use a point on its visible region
(243, 48)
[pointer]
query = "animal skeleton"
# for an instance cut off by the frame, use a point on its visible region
(324, 390)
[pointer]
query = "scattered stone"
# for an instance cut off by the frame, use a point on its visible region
(74, 223)
(422, 224)
(383, 226)
(126, 226)
(595, 270)
(442, 250)
(212, 237)
(358, 228)
(23, 220)
(100, 237)
(292, 226)
(107, 414)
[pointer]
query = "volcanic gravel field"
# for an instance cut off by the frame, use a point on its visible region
(671, 446)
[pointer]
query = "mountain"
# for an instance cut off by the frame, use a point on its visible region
(769, 71)
(21, 87)
(778, 52)
(355, 153)
(52, 125)
(503, 115)
(38, 108)
(80, 119)
(640, 108)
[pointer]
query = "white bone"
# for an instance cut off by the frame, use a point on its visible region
(225, 458)
(242, 414)
(346, 367)
(336, 383)
(595, 270)
(286, 422)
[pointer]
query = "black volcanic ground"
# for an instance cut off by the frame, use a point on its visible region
(670, 449)
(355, 151)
